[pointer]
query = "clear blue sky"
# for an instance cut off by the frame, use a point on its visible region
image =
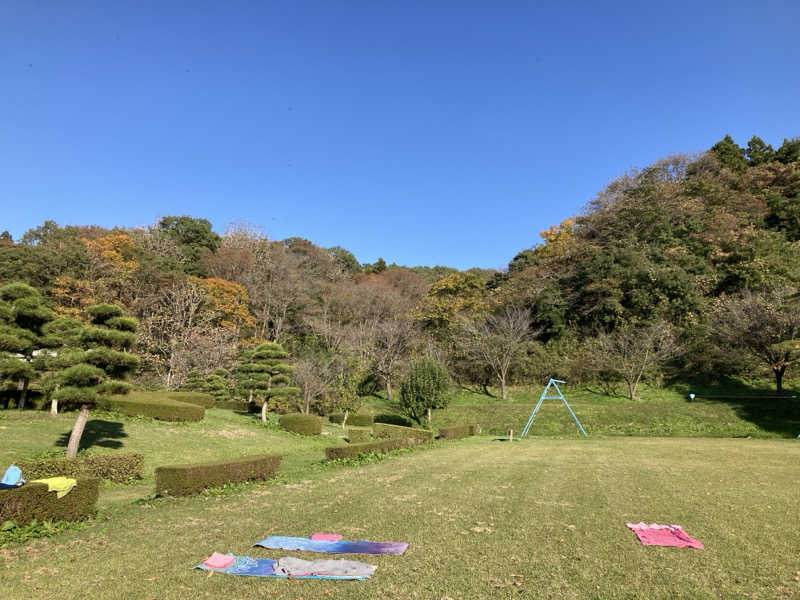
(423, 132)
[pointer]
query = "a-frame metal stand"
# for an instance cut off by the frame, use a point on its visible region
(552, 383)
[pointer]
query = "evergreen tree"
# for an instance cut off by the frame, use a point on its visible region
(758, 152)
(730, 154)
(266, 376)
(789, 151)
(194, 382)
(425, 388)
(23, 344)
(217, 383)
(97, 365)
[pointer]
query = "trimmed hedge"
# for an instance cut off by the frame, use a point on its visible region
(198, 398)
(392, 419)
(354, 420)
(384, 430)
(353, 450)
(184, 480)
(356, 436)
(232, 404)
(301, 423)
(33, 501)
(158, 407)
(113, 467)
(458, 431)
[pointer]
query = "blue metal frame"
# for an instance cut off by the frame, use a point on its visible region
(544, 396)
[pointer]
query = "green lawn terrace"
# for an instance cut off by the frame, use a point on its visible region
(549, 522)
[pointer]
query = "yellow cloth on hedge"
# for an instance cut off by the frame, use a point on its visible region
(61, 485)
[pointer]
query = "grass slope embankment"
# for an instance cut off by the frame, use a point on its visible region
(548, 521)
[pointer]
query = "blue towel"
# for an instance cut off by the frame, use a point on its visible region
(279, 542)
(265, 567)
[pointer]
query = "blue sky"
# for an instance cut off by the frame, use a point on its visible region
(423, 132)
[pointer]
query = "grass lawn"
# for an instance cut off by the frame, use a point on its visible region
(222, 434)
(541, 518)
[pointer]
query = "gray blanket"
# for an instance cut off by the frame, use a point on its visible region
(288, 565)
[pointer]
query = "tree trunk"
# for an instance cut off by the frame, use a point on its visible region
(264, 411)
(23, 394)
(346, 413)
(502, 387)
(250, 397)
(77, 431)
(631, 389)
(429, 417)
(779, 378)
(388, 389)
(53, 407)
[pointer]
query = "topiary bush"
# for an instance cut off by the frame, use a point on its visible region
(384, 430)
(354, 450)
(184, 480)
(156, 406)
(301, 423)
(33, 501)
(360, 420)
(424, 389)
(392, 419)
(458, 431)
(198, 398)
(119, 468)
(358, 436)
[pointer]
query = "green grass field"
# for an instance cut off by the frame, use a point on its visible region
(542, 518)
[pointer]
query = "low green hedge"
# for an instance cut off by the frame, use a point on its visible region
(33, 501)
(458, 431)
(393, 419)
(354, 420)
(233, 404)
(113, 467)
(384, 430)
(357, 436)
(155, 406)
(184, 480)
(301, 423)
(353, 450)
(198, 398)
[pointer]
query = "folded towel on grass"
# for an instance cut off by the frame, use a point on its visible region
(266, 567)
(218, 561)
(279, 542)
(663, 535)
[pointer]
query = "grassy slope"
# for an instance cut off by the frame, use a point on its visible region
(548, 521)
(736, 410)
(222, 434)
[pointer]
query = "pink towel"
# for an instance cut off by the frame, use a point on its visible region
(328, 537)
(663, 535)
(218, 561)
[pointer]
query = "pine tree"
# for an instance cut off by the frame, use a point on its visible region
(23, 343)
(758, 152)
(266, 376)
(97, 365)
(217, 383)
(730, 154)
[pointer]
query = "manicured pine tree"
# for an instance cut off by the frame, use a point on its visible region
(23, 344)
(195, 381)
(99, 364)
(251, 375)
(273, 379)
(217, 383)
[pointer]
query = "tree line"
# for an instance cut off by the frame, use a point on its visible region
(686, 268)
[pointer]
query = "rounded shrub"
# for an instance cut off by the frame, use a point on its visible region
(301, 423)
(357, 436)
(425, 388)
(392, 419)
(354, 420)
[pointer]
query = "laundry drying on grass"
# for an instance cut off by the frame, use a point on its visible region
(287, 567)
(663, 535)
(278, 542)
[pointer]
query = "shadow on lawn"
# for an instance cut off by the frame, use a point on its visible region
(760, 403)
(105, 434)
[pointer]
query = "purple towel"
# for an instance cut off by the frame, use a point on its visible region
(279, 542)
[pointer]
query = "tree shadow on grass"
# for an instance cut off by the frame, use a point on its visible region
(104, 434)
(757, 403)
